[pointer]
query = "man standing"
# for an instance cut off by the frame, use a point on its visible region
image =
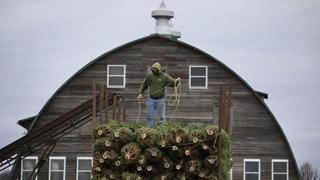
(156, 81)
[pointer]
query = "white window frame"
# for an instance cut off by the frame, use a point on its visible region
(279, 160)
(190, 77)
(244, 168)
(28, 158)
(64, 165)
(83, 158)
(124, 76)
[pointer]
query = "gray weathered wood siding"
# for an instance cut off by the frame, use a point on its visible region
(255, 133)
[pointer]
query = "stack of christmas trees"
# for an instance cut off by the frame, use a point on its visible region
(167, 151)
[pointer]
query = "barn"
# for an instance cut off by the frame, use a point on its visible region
(260, 147)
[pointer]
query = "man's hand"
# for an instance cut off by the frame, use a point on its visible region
(178, 80)
(140, 97)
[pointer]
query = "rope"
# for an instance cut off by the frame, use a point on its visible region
(138, 117)
(171, 102)
(175, 99)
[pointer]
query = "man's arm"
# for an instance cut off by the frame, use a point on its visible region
(172, 82)
(143, 87)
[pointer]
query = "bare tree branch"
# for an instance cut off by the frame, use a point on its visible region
(308, 172)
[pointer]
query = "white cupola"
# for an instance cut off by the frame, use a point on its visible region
(163, 21)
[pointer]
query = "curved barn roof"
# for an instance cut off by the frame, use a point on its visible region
(187, 45)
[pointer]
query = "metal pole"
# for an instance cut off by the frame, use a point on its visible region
(107, 104)
(221, 118)
(101, 105)
(41, 162)
(124, 118)
(118, 110)
(94, 109)
(114, 99)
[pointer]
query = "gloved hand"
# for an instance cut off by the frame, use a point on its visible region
(178, 80)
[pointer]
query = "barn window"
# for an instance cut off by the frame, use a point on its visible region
(116, 76)
(251, 169)
(57, 168)
(84, 166)
(27, 166)
(198, 77)
(280, 169)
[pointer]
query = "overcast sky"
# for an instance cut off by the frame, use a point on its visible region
(272, 44)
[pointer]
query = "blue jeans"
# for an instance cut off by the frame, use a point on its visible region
(155, 105)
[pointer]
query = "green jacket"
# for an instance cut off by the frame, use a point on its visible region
(157, 84)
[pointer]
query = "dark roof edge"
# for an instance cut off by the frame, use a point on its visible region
(185, 44)
(262, 95)
(25, 123)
